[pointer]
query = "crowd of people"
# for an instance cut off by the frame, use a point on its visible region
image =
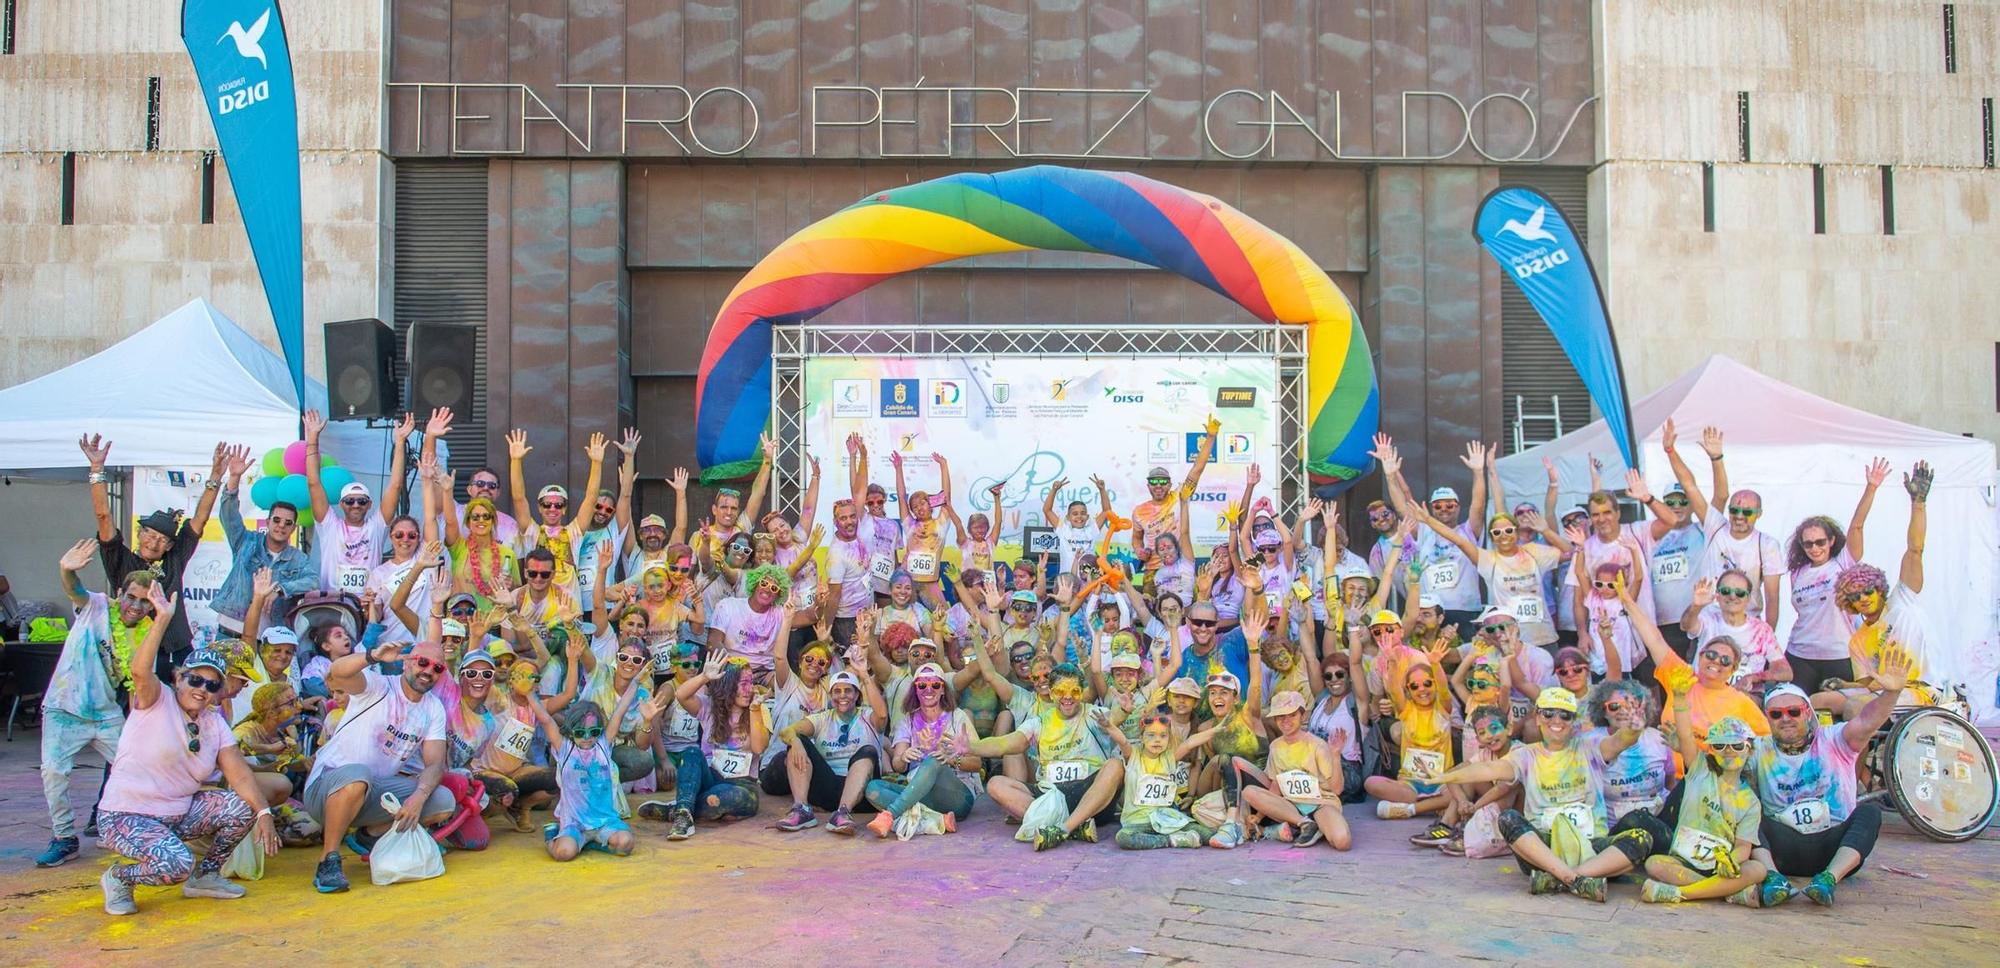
(1588, 696)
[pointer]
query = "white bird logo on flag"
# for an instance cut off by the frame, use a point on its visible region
(249, 43)
(1530, 231)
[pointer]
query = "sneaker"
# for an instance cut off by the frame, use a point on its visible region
(842, 822)
(1285, 834)
(1049, 838)
(1085, 831)
(656, 810)
(1821, 889)
(361, 842)
(1775, 890)
(800, 818)
(327, 877)
(1655, 892)
(117, 894)
(1543, 882)
(212, 885)
(884, 824)
(1391, 810)
(1184, 838)
(1748, 897)
(61, 851)
(90, 829)
(1308, 835)
(1567, 842)
(549, 831)
(1228, 838)
(1433, 836)
(682, 824)
(1590, 889)
(950, 824)
(1455, 847)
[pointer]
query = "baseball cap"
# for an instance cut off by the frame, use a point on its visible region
(1429, 601)
(451, 627)
(927, 643)
(1675, 488)
(279, 635)
(1729, 729)
(1125, 660)
(1385, 617)
(555, 489)
(466, 597)
(1184, 686)
(1022, 597)
(1556, 697)
(206, 659)
(1495, 612)
(1287, 701)
(1785, 689)
(652, 521)
(1573, 511)
(1227, 680)
(844, 678)
(1158, 472)
(477, 655)
(1349, 569)
(929, 670)
(1444, 494)
(356, 489)
(497, 647)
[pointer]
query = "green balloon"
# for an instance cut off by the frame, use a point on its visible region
(274, 463)
(326, 460)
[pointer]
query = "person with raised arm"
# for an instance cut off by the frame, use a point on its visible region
(350, 544)
(1733, 541)
(1607, 541)
(602, 536)
(1704, 687)
(831, 755)
(292, 570)
(550, 530)
(1165, 504)
(881, 533)
(1445, 570)
(1888, 617)
(1816, 555)
(729, 509)
(923, 551)
(482, 565)
(1073, 755)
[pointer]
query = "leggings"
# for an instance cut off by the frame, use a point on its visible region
(1807, 674)
(932, 782)
(1803, 855)
(695, 786)
(158, 845)
(1233, 779)
(1137, 838)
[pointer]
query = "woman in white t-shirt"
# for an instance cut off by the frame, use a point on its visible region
(1513, 571)
(1818, 552)
(1721, 609)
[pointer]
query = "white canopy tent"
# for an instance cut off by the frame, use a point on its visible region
(1805, 455)
(164, 396)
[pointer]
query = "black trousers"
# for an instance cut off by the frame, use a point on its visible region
(1803, 855)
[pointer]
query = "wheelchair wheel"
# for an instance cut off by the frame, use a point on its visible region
(1940, 774)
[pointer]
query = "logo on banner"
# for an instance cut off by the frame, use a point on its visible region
(1002, 392)
(1235, 396)
(1160, 449)
(1237, 448)
(1191, 446)
(947, 398)
(850, 399)
(1059, 389)
(1531, 230)
(249, 43)
(908, 443)
(899, 397)
(1129, 396)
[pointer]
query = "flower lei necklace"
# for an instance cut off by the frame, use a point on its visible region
(483, 571)
(123, 639)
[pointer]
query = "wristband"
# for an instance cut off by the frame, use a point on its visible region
(266, 812)
(98, 477)
(1717, 457)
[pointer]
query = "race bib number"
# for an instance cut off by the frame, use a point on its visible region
(681, 724)
(1067, 771)
(1156, 790)
(881, 567)
(1671, 567)
(1181, 775)
(1530, 610)
(730, 764)
(807, 594)
(663, 656)
(1423, 764)
(1699, 847)
(1518, 707)
(1578, 813)
(352, 579)
(1298, 785)
(513, 738)
(923, 565)
(586, 577)
(1444, 574)
(1807, 816)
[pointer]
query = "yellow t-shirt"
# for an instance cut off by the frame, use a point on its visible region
(1426, 741)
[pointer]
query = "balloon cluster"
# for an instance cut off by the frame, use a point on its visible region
(284, 477)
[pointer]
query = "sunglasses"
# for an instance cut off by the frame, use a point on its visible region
(404, 535)
(478, 482)
(1719, 658)
(458, 610)
(930, 687)
(1493, 629)
(526, 676)
(539, 573)
(1732, 748)
(1615, 707)
(1562, 714)
(630, 659)
(356, 502)
(424, 664)
(1203, 623)
(478, 517)
(471, 674)
(1158, 481)
(213, 686)
(1567, 669)
(587, 732)
(1736, 512)
(1381, 630)
(1674, 502)
(1606, 585)
(194, 737)
(1023, 658)
(1733, 592)
(1420, 684)
(1816, 542)
(688, 664)
(1498, 532)
(680, 569)
(552, 505)
(606, 509)
(1788, 712)
(1336, 673)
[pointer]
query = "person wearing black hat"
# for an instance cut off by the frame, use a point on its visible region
(162, 545)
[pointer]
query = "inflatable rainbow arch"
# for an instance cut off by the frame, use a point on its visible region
(1043, 207)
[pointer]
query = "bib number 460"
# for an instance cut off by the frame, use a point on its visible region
(242, 97)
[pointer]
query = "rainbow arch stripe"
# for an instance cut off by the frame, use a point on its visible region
(1043, 207)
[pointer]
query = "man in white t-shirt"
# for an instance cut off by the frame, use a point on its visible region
(351, 543)
(1077, 532)
(1733, 541)
(847, 584)
(389, 727)
(1447, 574)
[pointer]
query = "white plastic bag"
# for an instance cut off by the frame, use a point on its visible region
(246, 862)
(404, 855)
(921, 820)
(1047, 810)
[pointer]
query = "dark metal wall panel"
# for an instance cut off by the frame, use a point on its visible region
(440, 276)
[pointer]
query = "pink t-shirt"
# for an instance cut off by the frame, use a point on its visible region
(1820, 629)
(748, 634)
(154, 773)
(847, 566)
(1597, 551)
(1753, 638)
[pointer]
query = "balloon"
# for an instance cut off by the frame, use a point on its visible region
(295, 457)
(292, 490)
(333, 479)
(326, 461)
(274, 463)
(264, 492)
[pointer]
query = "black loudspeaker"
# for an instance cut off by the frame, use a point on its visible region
(360, 369)
(441, 358)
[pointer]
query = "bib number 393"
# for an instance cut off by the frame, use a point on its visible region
(352, 579)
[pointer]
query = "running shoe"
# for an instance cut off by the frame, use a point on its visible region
(842, 822)
(1590, 888)
(1748, 897)
(656, 810)
(1821, 889)
(1184, 838)
(1085, 831)
(1656, 892)
(549, 831)
(1434, 835)
(884, 824)
(212, 885)
(1455, 847)
(360, 842)
(1049, 838)
(682, 824)
(800, 818)
(1227, 838)
(117, 894)
(61, 851)
(1308, 835)
(1775, 890)
(1391, 810)
(1543, 882)
(327, 877)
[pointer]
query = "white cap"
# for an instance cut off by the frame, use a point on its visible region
(355, 489)
(1124, 660)
(929, 670)
(1495, 611)
(1573, 509)
(451, 627)
(844, 678)
(1444, 494)
(1429, 601)
(279, 634)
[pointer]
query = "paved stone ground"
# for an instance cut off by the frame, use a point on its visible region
(747, 894)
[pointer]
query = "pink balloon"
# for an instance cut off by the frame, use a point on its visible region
(295, 457)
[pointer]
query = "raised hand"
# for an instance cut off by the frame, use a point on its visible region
(1098, 482)
(1385, 454)
(163, 604)
(427, 467)
(1918, 482)
(404, 428)
(78, 556)
(818, 532)
(1212, 426)
(895, 457)
(1254, 474)
(221, 459)
(769, 445)
(628, 443)
(1532, 520)
(1057, 486)
(261, 583)
(238, 462)
(678, 480)
(1576, 534)
(1711, 442)
(1313, 507)
(517, 444)
(1704, 592)
(1550, 467)
(1475, 456)
(1877, 472)
(1596, 464)
(595, 448)
(95, 449)
(440, 422)
(813, 461)
(711, 668)
(1668, 438)
(431, 554)
(1635, 486)
(1892, 672)
(314, 423)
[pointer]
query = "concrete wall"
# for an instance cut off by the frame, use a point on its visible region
(138, 248)
(1900, 324)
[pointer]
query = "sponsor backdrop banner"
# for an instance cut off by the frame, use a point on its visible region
(1031, 422)
(245, 69)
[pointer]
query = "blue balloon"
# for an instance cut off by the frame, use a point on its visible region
(293, 491)
(264, 492)
(333, 479)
